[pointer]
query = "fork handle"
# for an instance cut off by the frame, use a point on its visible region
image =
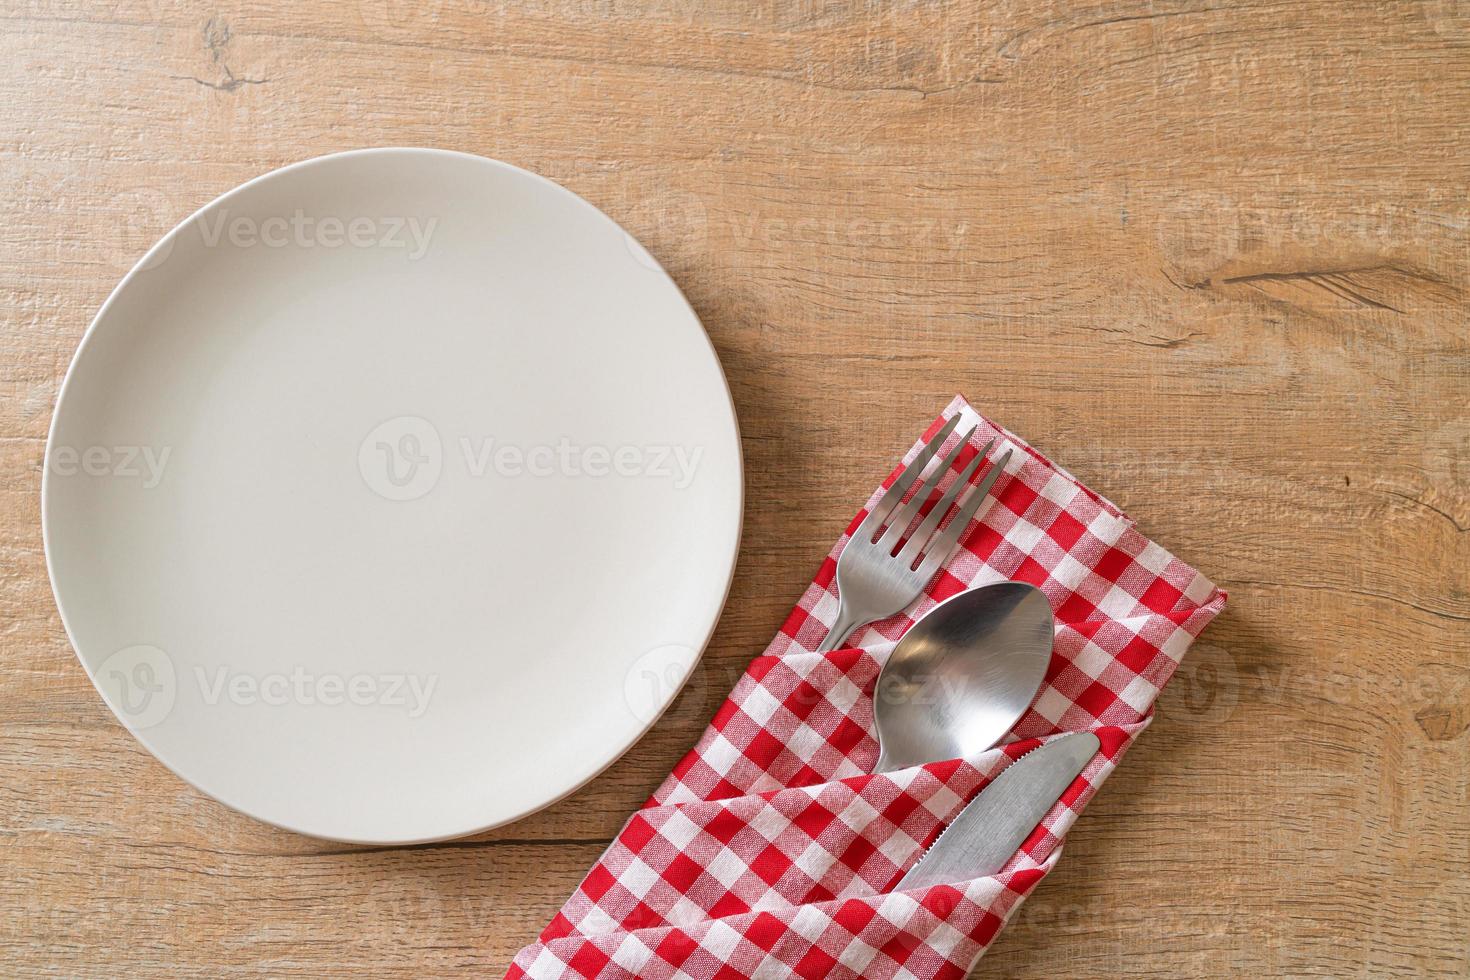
(841, 630)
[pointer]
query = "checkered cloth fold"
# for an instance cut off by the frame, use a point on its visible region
(771, 852)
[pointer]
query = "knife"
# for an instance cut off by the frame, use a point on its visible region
(993, 825)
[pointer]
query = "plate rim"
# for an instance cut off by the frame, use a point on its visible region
(145, 263)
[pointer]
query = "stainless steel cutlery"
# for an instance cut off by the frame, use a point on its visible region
(875, 576)
(991, 827)
(962, 675)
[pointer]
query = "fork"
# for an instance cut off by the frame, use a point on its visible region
(875, 578)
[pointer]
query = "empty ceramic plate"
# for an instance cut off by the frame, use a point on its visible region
(392, 496)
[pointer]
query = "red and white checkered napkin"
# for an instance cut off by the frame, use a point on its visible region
(770, 851)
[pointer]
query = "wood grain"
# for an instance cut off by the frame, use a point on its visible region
(1210, 256)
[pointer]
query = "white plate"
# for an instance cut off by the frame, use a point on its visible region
(392, 496)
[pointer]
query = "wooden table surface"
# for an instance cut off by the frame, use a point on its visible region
(1211, 256)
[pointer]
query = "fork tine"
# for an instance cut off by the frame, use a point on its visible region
(910, 552)
(946, 541)
(904, 515)
(906, 479)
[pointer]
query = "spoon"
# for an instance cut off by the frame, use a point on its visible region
(962, 675)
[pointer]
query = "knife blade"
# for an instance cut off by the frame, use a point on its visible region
(988, 831)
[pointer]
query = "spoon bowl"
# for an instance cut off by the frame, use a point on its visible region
(962, 675)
